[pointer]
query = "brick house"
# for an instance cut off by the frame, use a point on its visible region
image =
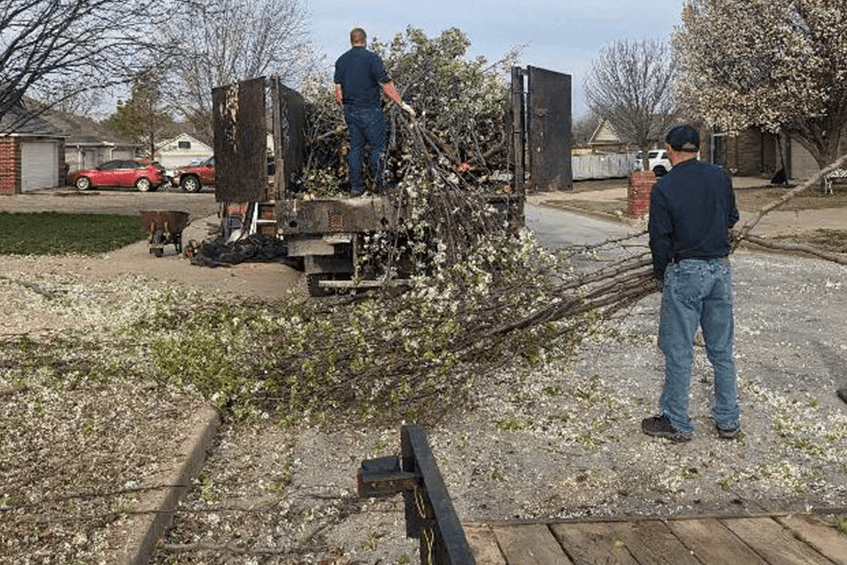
(763, 154)
(31, 153)
(88, 142)
(750, 153)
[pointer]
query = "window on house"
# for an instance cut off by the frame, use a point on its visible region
(184, 145)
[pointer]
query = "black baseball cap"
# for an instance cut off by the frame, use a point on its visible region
(683, 138)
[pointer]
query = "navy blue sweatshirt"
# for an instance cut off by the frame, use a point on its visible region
(692, 209)
(360, 73)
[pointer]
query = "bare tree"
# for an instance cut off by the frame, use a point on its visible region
(630, 85)
(777, 65)
(56, 50)
(220, 42)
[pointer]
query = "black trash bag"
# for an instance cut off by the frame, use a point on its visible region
(254, 248)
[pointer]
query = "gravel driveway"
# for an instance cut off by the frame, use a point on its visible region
(563, 441)
(559, 441)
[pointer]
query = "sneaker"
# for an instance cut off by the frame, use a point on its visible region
(660, 426)
(728, 433)
(357, 193)
(842, 393)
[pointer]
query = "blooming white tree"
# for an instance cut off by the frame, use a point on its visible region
(779, 65)
(630, 85)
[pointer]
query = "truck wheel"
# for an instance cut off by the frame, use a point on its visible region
(313, 284)
(191, 184)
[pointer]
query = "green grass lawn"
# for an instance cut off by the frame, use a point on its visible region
(54, 233)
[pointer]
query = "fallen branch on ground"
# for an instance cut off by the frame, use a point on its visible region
(839, 258)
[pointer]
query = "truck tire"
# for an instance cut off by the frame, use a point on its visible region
(313, 284)
(190, 183)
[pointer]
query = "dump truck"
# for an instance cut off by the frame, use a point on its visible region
(260, 120)
(258, 127)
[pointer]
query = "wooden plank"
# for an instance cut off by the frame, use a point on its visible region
(820, 534)
(592, 543)
(652, 542)
(532, 544)
(483, 544)
(773, 542)
(712, 542)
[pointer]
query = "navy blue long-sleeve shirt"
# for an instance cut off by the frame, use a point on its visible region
(692, 209)
(360, 73)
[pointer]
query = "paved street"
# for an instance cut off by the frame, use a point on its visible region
(557, 228)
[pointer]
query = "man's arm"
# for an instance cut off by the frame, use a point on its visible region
(393, 95)
(391, 92)
(338, 97)
(660, 229)
(733, 207)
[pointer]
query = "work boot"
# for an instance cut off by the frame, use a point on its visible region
(728, 433)
(660, 426)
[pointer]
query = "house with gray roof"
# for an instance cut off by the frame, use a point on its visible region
(88, 142)
(32, 151)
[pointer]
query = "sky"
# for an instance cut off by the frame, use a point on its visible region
(559, 35)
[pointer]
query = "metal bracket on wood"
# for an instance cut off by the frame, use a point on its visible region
(384, 477)
(430, 515)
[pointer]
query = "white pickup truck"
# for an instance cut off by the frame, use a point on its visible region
(659, 162)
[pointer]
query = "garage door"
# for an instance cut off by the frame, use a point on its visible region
(39, 165)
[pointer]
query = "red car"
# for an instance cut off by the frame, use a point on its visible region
(140, 173)
(192, 179)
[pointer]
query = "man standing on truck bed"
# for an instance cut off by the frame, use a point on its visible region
(360, 78)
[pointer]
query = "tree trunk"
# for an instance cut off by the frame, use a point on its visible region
(645, 157)
(821, 137)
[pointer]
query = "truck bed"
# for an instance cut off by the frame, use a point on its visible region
(336, 215)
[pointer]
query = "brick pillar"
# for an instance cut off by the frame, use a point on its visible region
(638, 195)
(10, 180)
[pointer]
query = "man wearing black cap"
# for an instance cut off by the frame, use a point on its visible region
(692, 209)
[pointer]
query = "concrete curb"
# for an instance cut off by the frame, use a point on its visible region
(560, 205)
(155, 509)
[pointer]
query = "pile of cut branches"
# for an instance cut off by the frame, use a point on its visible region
(414, 355)
(460, 105)
(486, 296)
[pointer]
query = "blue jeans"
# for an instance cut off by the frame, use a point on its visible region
(365, 125)
(698, 292)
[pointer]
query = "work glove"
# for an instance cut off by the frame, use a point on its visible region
(408, 109)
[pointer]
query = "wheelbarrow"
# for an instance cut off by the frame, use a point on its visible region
(164, 228)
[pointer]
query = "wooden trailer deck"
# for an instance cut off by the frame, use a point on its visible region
(789, 539)
(809, 538)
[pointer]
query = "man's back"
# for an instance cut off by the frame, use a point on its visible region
(360, 73)
(691, 211)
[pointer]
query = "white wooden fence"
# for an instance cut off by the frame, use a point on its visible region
(602, 165)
